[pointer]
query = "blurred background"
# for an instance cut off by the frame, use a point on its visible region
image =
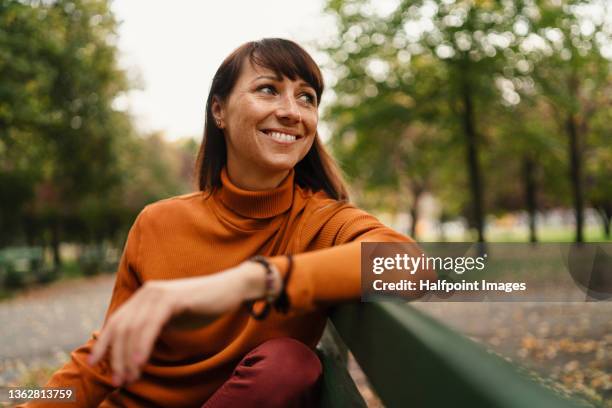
(475, 120)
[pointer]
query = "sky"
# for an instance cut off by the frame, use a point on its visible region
(173, 48)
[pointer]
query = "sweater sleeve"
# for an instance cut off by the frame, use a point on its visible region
(92, 384)
(333, 274)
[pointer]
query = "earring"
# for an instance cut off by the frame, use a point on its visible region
(218, 123)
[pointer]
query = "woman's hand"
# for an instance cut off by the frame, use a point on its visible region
(131, 331)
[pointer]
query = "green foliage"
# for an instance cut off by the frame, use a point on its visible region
(72, 166)
(418, 85)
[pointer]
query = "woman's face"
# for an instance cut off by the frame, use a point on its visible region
(269, 124)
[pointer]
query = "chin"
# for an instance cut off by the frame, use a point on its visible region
(280, 165)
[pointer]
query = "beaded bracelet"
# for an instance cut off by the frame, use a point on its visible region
(269, 295)
(282, 302)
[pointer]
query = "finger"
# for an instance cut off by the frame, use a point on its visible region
(138, 323)
(150, 333)
(117, 355)
(151, 313)
(107, 335)
(99, 348)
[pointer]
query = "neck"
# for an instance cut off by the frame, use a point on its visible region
(255, 179)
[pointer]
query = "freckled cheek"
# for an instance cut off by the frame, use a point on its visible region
(256, 110)
(311, 121)
(241, 134)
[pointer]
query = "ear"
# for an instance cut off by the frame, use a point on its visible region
(218, 112)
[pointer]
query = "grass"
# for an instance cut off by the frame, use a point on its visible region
(550, 234)
(544, 234)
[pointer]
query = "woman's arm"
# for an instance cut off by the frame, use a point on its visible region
(131, 331)
(332, 275)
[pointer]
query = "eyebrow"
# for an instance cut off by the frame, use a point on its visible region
(278, 78)
(274, 78)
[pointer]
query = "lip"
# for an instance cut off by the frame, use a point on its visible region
(285, 131)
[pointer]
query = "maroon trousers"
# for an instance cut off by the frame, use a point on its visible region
(281, 372)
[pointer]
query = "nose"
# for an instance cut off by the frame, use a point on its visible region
(288, 110)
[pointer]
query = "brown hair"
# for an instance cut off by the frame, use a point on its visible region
(317, 170)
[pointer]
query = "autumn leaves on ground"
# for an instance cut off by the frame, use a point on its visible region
(567, 347)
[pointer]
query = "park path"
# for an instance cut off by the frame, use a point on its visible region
(41, 326)
(571, 343)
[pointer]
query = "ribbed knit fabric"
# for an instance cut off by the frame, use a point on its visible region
(200, 234)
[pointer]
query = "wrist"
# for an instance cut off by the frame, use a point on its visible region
(255, 281)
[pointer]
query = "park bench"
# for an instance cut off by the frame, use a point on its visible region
(412, 360)
(21, 265)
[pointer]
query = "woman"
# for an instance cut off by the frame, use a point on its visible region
(267, 187)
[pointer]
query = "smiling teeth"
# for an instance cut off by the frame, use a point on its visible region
(282, 137)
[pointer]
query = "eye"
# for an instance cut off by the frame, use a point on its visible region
(308, 98)
(267, 89)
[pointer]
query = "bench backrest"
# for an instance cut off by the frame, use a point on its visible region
(413, 360)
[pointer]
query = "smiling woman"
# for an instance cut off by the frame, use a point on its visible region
(269, 122)
(280, 86)
(252, 261)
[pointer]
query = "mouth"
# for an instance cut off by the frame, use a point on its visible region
(281, 136)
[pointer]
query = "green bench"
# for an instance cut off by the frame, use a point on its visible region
(21, 265)
(412, 360)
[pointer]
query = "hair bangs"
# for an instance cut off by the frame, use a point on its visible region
(287, 59)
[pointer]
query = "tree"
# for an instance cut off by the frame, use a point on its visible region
(57, 123)
(441, 56)
(563, 51)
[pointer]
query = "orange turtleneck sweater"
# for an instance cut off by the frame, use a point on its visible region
(199, 234)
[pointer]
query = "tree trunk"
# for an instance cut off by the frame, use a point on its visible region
(55, 244)
(414, 211)
(472, 160)
(441, 221)
(576, 174)
(29, 230)
(605, 214)
(530, 195)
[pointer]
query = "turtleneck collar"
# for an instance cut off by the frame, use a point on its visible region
(257, 204)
